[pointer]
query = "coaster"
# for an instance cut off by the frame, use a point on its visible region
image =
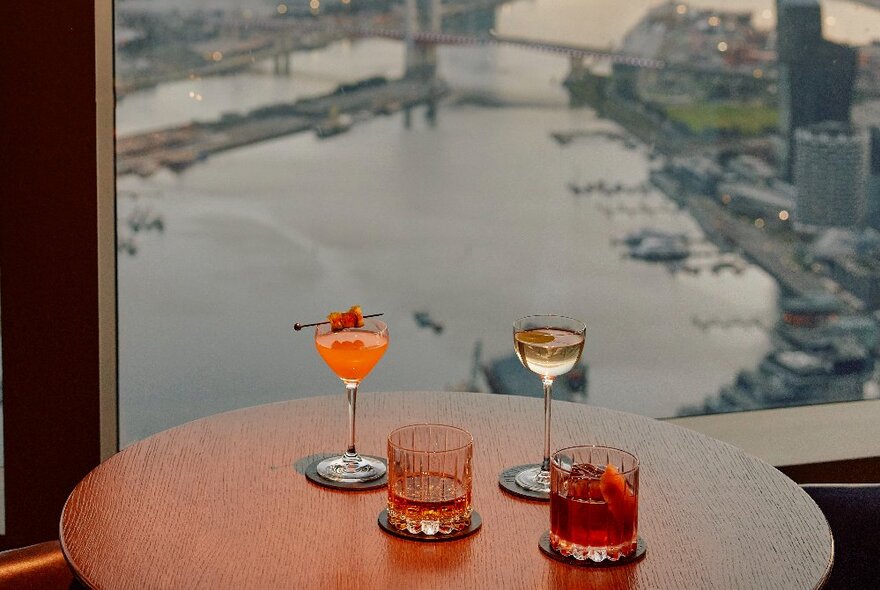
(546, 549)
(311, 473)
(476, 523)
(301, 464)
(507, 483)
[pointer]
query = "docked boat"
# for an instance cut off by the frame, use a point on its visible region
(660, 249)
(333, 125)
(424, 320)
(637, 237)
(506, 375)
(836, 372)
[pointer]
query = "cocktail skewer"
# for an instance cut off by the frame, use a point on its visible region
(299, 326)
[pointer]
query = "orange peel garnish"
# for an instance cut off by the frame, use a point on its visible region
(617, 493)
(340, 320)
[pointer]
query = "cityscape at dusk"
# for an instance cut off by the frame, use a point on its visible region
(699, 182)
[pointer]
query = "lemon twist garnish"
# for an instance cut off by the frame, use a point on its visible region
(534, 337)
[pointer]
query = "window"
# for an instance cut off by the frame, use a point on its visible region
(646, 169)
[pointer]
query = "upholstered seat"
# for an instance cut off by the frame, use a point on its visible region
(36, 567)
(853, 512)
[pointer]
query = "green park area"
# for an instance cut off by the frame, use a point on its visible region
(725, 119)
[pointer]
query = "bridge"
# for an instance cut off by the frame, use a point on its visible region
(420, 27)
(421, 46)
(180, 147)
(575, 51)
(431, 38)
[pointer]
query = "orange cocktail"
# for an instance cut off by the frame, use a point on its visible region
(352, 353)
(351, 345)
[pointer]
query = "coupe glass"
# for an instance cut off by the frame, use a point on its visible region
(352, 353)
(548, 345)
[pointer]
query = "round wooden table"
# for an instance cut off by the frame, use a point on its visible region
(218, 503)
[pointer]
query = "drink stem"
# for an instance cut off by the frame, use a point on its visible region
(545, 465)
(351, 391)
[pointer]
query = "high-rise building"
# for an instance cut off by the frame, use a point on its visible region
(816, 76)
(873, 213)
(831, 175)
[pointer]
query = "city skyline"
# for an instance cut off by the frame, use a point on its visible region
(726, 75)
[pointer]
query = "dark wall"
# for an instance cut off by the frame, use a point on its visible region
(849, 471)
(48, 260)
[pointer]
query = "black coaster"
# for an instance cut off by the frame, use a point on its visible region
(507, 483)
(544, 545)
(301, 464)
(311, 473)
(476, 523)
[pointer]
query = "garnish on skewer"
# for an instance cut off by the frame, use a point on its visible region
(340, 320)
(353, 318)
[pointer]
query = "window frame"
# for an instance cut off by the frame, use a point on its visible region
(799, 435)
(57, 255)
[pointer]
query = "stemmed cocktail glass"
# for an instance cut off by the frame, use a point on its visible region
(352, 353)
(548, 345)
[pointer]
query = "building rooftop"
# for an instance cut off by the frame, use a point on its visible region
(830, 128)
(812, 303)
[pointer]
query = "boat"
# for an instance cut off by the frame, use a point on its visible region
(637, 237)
(562, 138)
(388, 107)
(655, 249)
(838, 371)
(424, 320)
(331, 127)
(334, 124)
(506, 375)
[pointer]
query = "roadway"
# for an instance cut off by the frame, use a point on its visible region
(776, 256)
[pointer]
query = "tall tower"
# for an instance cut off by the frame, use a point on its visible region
(831, 175)
(816, 76)
(422, 16)
(873, 214)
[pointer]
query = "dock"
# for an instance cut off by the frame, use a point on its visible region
(776, 256)
(179, 147)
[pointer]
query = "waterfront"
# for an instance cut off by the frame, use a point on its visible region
(382, 216)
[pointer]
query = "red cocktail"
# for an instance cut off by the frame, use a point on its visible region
(594, 503)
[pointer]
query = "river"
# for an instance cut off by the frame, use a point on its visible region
(470, 220)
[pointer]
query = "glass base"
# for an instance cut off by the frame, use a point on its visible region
(474, 525)
(534, 479)
(596, 554)
(351, 468)
(545, 546)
